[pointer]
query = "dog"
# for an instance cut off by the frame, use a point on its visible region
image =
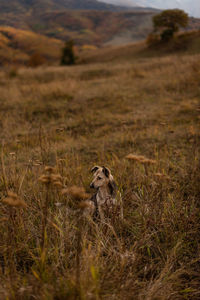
(106, 201)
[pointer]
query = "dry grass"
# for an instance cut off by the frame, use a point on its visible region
(58, 117)
(23, 47)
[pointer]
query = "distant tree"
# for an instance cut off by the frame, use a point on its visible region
(168, 22)
(68, 56)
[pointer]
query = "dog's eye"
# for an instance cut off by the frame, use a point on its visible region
(99, 178)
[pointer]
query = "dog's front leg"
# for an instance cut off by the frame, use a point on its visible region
(101, 213)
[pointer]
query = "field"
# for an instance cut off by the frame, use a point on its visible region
(72, 118)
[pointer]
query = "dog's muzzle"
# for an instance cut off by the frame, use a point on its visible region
(92, 186)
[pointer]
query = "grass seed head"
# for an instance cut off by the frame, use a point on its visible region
(76, 193)
(12, 153)
(141, 159)
(46, 179)
(84, 205)
(49, 169)
(133, 157)
(12, 195)
(50, 177)
(56, 177)
(148, 161)
(161, 176)
(14, 200)
(58, 184)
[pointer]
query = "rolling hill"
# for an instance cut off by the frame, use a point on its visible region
(17, 46)
(86, 21)
(185, 43)
(93, 27)
(36, 6)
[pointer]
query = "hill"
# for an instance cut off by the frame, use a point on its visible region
(85, 21)
(184, 43)
(17, 46)
(93, 27)
(49, 5)
(70, 21)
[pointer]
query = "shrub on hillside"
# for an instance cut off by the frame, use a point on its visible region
(36, 60)
(68, 56)
(152, 39)
(13, 72)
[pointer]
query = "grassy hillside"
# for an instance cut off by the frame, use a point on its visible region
(17, 46)
(74, 118)
(97, 27)
(187, 43)
(85, 27)
(94, 27)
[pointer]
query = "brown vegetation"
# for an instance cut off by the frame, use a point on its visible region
(85, 21)
(168, 22)
(146, 107)
(185, 43)
(23, 47)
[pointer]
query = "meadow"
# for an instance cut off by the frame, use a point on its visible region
(72, 118)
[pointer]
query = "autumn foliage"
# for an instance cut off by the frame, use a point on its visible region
(168, 22)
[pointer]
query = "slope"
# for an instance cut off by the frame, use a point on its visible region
(75, 19)
(17, 46)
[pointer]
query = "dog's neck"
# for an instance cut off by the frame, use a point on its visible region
(103, 194)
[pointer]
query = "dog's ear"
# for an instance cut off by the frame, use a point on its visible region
(94, 169)
(106, 171)
(113, 188)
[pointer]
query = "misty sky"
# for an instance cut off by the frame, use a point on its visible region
(190, 6)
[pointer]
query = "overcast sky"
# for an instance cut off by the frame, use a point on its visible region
(191, 6)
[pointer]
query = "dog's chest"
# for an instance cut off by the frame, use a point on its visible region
(100, 199)
(104, 200)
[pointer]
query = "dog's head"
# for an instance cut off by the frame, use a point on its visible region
(103, 178)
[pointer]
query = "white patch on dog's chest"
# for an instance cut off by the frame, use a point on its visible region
(100, 200)
(105, 200)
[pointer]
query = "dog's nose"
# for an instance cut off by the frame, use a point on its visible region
(92, 186)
